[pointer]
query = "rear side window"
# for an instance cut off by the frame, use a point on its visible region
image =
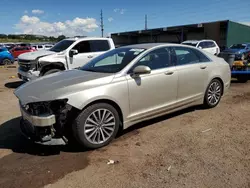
(201, 56)
(99, 45)
(203, 45)
(40, 46)
(18, 49)
(211, 44)
(185, 56)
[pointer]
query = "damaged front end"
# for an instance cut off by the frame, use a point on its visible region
(45, 122)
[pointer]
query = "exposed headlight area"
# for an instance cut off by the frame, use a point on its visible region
(45, 121)
(46, 107)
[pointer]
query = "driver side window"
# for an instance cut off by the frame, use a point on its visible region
(82, 47)
(157, 59)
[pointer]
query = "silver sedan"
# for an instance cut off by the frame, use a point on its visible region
(118, 89)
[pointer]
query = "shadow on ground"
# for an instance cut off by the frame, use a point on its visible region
(31, 165)
(12, 138)
(14, 85)
(140, 125)
(38, 165)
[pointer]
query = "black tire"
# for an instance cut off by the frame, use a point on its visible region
(51, 71)
(6, 61)
(79, 125)
(242, 79)
(207, 103)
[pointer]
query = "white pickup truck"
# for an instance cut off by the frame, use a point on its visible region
(65, 55)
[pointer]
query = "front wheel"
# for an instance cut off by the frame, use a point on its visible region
(96, 126)
(213, 94)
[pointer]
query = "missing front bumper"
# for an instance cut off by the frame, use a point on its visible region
(39, 121)
(40, 135)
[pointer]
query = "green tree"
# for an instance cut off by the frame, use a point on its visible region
(61, 37)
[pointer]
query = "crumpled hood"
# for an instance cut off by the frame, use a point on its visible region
(33, 55)
(60, 85)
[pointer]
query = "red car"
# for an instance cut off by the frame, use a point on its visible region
(20, 50)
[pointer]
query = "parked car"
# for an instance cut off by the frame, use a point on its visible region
(241, 51)
(6, 57)
(21, 50)
(119, 88)
(42, 47)
(66, 55)
(207, 45)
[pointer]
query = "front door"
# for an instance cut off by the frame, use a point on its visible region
(192, 67)
(84, 55)
(87, 50)
(154, 92)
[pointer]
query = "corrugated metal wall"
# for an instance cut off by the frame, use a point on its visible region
(237, 33)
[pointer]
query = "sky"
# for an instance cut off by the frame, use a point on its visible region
(81, 17)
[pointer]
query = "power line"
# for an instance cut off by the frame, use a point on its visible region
(102, 26)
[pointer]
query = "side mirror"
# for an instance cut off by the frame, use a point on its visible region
(200, 47)
(141, 69)
(73, 52)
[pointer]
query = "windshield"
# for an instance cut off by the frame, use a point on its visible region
(112, 61)
(190, 44)
(238, 46)
(62, 45)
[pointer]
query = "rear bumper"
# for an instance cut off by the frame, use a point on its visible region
(241, 74)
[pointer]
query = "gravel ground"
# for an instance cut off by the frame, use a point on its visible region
(191, 148)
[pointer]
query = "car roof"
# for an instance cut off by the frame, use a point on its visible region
(151, 45)
(195, 41)
(87, 38)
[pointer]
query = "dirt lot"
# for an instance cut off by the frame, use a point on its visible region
(192, 148)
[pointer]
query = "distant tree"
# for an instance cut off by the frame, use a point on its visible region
(3, 36)
(61, 37)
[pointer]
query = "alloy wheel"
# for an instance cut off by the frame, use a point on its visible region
(99, 126)
(214, 93)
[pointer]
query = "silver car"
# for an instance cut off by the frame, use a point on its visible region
(119, 89)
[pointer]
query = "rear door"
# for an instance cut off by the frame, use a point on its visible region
(192, 68)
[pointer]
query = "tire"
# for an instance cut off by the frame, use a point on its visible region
(6, 61)
(87, 134)
(51, 71)
(211, 99)
(242, 80)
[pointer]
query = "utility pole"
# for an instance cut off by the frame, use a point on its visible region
(146, 22)
(102, 29)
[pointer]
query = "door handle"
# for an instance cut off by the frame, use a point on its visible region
(90, 56)
(203, 67)
(169, 73)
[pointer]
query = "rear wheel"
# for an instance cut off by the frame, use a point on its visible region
(6, 61)
(241, 79)
(52, 71)
(213, 94)
(96, 126)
